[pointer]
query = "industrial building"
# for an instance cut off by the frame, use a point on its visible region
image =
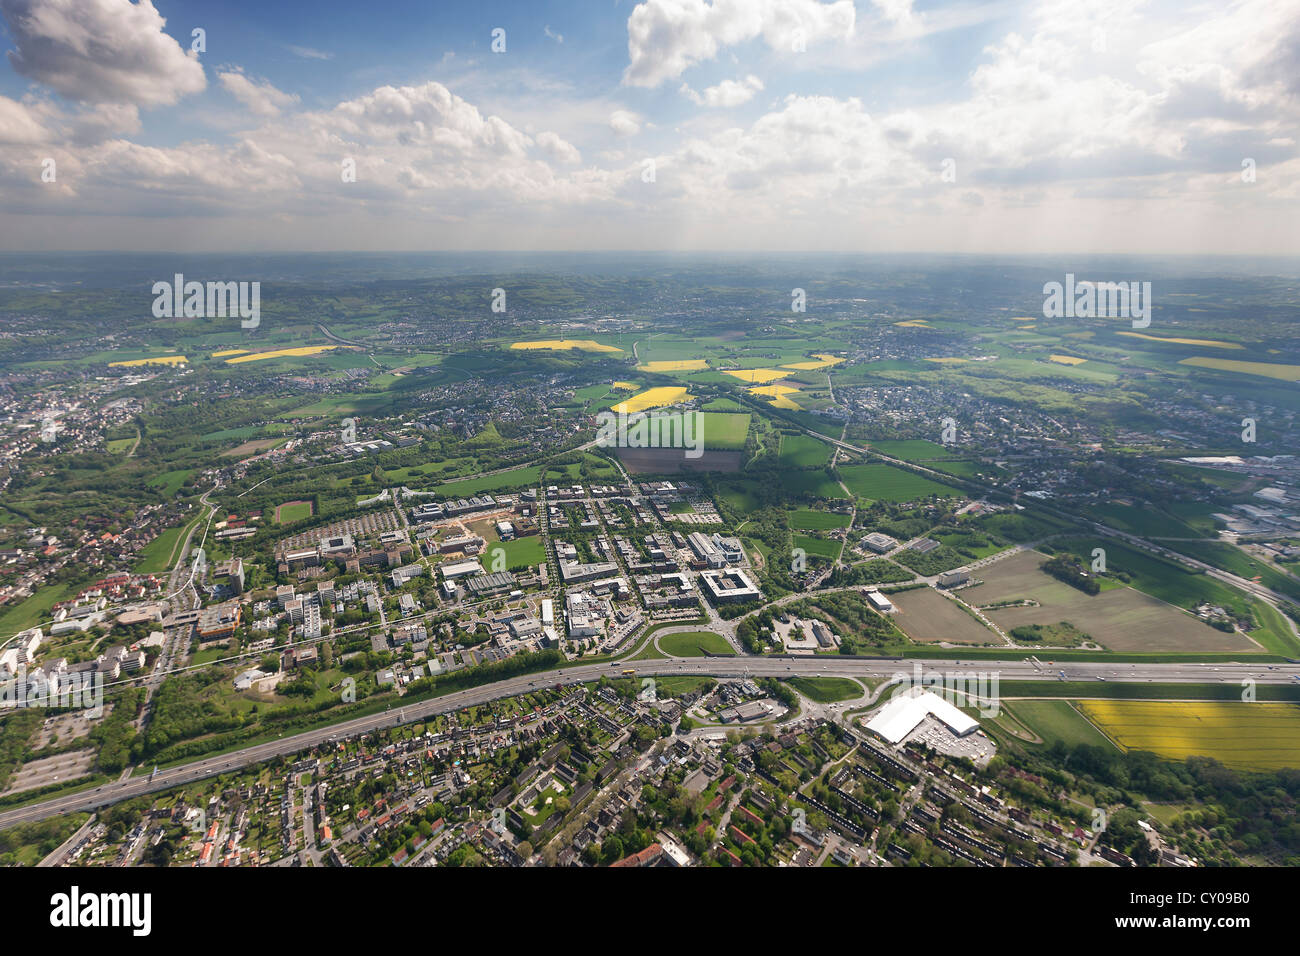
(900, 716)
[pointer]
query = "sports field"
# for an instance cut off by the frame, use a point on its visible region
(1244, 736)
(292, 511)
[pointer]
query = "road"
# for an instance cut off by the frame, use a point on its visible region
(739, 667)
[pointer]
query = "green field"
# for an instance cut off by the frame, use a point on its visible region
(880, 482)
(169, 482)
(520, 553)
(804, 519)
(292, 511)
(1053, 720)
(827, 690)
(157, 555)
(912, 449)
(803, 452)
(515, 478)
(811, 484)
(820, 547)
(695, 644)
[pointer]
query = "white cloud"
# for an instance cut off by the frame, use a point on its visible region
(726, 94)
(624, 123)
(100, 51)
(559, 149)
(309, 53)
(261, 98)
(19, 125)
(666, 37)
(557, 37)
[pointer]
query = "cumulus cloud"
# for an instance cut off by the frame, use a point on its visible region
(666, 37)
(558, 149)
(261, 98)
(100, 51)
(19, 124)
(728, 93)
(624, 123)
(1045, 132)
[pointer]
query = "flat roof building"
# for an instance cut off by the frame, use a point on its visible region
(729, 584)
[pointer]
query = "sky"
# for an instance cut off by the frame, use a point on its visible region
(977, 126)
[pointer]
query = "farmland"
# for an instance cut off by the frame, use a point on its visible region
(1120, 619)
(881, 482)
(1244, 736)
(651, 398)
(926, 616)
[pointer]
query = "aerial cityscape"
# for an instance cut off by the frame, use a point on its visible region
(788, 433)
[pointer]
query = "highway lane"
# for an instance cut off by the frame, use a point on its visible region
(737, 667)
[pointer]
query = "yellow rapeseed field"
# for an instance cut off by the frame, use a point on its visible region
(564, 345)
(1287, 373)
(756, 376)
(778, 394)
(159, 360)
(280, 353)
(1067, 359)
(1245, 736)
(1207, 343)
(675, 365)
(823, 361)
(651, 398)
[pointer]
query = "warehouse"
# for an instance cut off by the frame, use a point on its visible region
(900, 716)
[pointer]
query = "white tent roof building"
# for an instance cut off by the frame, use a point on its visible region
(900, 716)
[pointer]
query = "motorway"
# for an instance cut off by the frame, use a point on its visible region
(738, 667)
